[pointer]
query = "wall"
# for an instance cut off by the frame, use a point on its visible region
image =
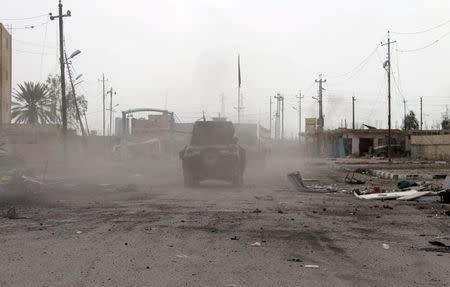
(430, 146)
(5, 75)
(38, 143)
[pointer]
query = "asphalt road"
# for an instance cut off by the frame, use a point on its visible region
(138, 226)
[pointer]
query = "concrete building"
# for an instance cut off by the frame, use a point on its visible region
(434, 145)
(5, 75)
(343, 142)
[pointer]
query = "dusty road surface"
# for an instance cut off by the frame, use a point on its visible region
(130, 226)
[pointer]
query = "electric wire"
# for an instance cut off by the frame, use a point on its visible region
(25, 18)
(422, 31)
(424, 47)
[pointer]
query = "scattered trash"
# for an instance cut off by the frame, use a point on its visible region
(256, 244)
(385, 246)
(438, 243)
(12, 213)
(181, 256)
(445, 196)
(447, 213)
(311, 266)
(295, 260)
(257, 210)
(352, 180)
(406, 184)
(234, 238)
(78, 232)
(363, 171)
(446, 184)
(399, 195)
(297, 181)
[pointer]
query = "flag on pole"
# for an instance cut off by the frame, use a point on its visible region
(239, 71)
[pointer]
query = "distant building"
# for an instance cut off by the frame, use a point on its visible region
(5, 75)
(343, 142)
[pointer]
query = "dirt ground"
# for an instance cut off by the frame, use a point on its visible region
(136, 225)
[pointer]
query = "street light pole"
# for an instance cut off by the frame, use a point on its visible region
(73, 91)
(63, 83)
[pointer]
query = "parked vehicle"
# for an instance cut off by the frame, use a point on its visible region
(396, 150)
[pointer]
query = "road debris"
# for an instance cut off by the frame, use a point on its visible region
(12, 213)
(181, 256)
(350, 179)
(295, 260)
(234, 238)
(311, 266)
(399, 195)
(256, 244)
(297, 181)
(406, 184)
(385, 246)
(438, 243)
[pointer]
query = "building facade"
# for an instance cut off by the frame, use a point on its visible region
(5, 75)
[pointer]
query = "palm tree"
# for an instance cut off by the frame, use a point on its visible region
(32, 104)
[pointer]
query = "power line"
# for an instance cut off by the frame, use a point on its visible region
(423, 47)
(33, 44)
(422, 31)
(32, 52)
(357, 67)
(25, 18)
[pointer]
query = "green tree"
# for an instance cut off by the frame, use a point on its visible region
(54, 86)
(32, 104)
(410, 122)
(445, 124)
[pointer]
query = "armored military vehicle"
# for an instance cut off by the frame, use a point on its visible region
(213, 153)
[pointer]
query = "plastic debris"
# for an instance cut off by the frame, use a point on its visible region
(79, 232)
(386, 246)
(256, 244)
(311, 266)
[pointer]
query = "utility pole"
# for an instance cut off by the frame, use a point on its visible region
(404, 114)
(282, 117)
(63, 82)
(277, 116)
(110, 92)
(421, 113)
(239, 107)
(300, 97)
(104, 95)
(320, 121)
(353, 112)
(270, 116)
(387, 66)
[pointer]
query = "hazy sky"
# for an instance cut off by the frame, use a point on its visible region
(183, 54)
